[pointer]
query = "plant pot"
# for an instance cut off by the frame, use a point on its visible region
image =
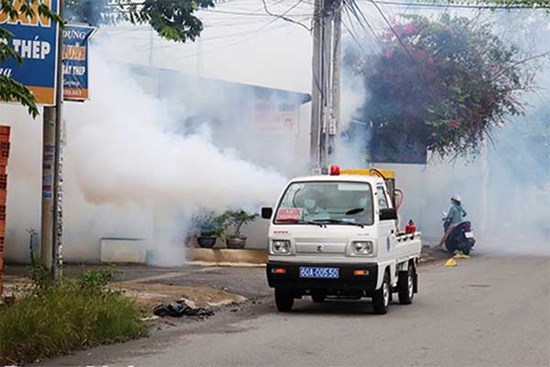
(235, 242)
(206, 241)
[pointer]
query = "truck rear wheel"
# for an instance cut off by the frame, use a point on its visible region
(381, 297)
(405, 286)
(284, 300)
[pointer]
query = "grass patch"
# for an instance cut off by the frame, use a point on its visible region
(54, 318)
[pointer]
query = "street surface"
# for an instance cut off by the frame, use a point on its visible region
(488, 311)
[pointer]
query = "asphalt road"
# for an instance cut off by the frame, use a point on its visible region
(487, 311)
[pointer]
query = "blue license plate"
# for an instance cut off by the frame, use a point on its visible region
(319, 272)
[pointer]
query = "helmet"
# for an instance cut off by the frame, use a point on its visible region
(456, 198)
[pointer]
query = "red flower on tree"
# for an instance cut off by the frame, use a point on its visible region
(436, 69)
(409, 28)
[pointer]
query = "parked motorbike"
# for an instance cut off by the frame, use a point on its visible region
(461, 237)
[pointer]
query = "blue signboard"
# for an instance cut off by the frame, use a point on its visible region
(35, 39)
(75, 62)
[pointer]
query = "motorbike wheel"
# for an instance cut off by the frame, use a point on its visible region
(465, 247)
(451, 246)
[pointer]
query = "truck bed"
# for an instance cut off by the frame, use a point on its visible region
(409, 245)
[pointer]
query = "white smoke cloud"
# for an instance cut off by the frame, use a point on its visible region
(127, 173)
(123, 154)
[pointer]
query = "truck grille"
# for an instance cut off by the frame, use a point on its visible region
(321, 247)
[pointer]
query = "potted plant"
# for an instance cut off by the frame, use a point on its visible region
(237, 219)
(209, 228)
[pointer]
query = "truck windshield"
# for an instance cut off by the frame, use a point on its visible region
(327, 203)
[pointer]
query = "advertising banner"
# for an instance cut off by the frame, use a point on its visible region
(75, 62)
(35, 40)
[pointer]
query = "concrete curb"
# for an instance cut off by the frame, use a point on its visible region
(226, 257)
(258, 258)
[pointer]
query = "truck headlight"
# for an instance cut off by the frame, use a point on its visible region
(362, 248)
(280, 247)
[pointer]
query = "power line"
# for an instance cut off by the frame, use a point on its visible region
(256, 33)
(227, 46)
(360, 16)
(283, 16)
(353, 32)
(393, 31)
(240, 33)
(461, 6)
(251, 14)
(363, 50)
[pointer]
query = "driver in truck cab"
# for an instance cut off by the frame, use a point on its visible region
(315, 203)
(313, 208)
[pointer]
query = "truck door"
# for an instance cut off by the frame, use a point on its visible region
(386, 228)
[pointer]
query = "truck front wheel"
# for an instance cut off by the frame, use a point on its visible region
(284, 300)
(381, 297)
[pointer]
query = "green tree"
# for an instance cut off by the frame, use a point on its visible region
(11, 90)
(443, 85)
(172, 19)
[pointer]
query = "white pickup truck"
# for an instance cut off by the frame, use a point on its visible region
(336, 236)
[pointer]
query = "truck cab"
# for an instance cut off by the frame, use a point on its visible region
(337, 236)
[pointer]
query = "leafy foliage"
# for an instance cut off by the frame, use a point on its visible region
(210, 225)
(443, 84)
(11, 90)
(172, 19)
(53, 318)
(29, 9)
(216, 225)
(238, 218)
(93, 12)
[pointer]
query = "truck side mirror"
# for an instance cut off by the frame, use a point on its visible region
(388, 214)
(267, 213)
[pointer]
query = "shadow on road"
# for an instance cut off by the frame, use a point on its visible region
(337, 307)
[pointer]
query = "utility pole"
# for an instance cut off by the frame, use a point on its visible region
(334, 122)
(316, 92)
(48, 159)
(325, 114)
(326, 63)
(51, 233)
